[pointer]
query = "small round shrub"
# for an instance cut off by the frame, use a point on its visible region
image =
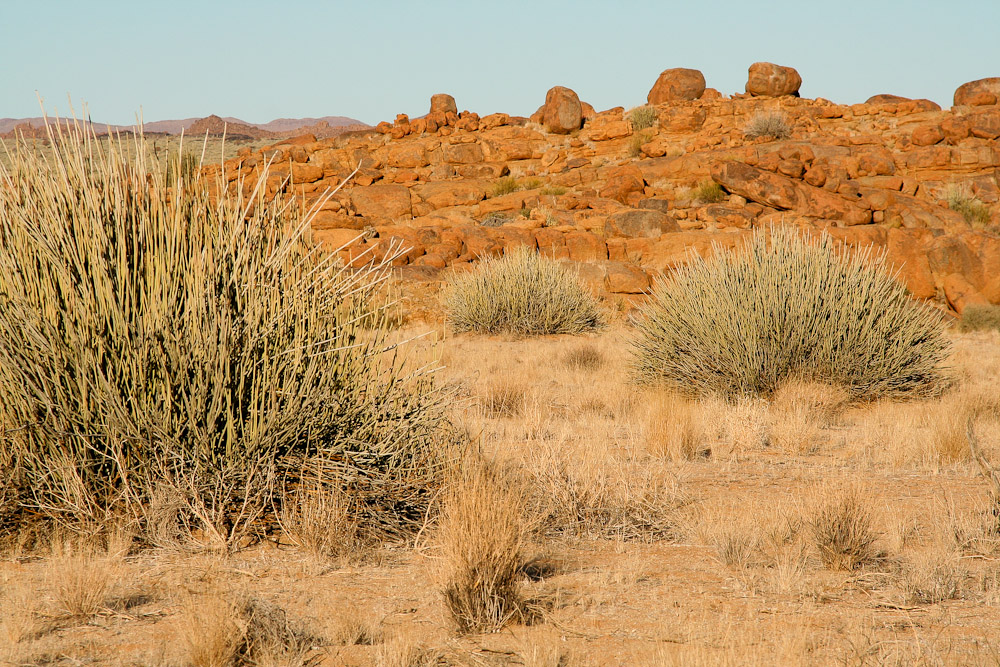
(709, 192)
(643, 117)
(788, 307)
(768, 124)
(972, 209)
(504, 186)
(522, 293)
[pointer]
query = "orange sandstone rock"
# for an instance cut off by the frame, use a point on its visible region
(768, 79)
(677, 84)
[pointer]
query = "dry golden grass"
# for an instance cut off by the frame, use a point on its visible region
(843, 524)
(222, 629)
(483, 535)
(652, 556)
(323, 520)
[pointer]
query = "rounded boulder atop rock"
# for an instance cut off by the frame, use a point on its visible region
(444, 103)
(563, 112)
(770, 80)
(978, 93)
(676, 85)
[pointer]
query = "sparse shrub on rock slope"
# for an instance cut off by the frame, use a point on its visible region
(521, 293)
(789, 307)
(768, 124)
(169, 356)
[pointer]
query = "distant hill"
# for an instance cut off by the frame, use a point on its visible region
(291, 124)
(326, 126)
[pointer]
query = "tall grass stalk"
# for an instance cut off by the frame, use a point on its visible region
(167, 340)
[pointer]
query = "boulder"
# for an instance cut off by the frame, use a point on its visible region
(442, 194)
(562, 112)
(960, 293)
(639, 223)
(784, 193)
(886, 99)
(382, 201)
(927, 135)
(979, 92)
(620, 182)
(442, 102)
(985, 123)
(677, 84)
(768, 79)
(621, 278)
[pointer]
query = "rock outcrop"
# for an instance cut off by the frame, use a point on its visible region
(982, 92)
(443, 103)
(621, 204)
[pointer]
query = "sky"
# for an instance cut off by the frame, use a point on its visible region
(260, 60)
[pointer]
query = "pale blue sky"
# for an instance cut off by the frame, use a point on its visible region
(261, 60)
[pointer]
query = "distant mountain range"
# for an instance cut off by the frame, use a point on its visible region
(234, 127)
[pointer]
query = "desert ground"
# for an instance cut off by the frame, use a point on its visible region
(656, 530)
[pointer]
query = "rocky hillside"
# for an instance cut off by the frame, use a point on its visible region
(626, 195)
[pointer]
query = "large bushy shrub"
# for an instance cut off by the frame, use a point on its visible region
(175, 353)
(789, 307)
(521, 293)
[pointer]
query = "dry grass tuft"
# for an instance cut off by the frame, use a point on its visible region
(625, 499)
(643, 117)
(754, 536)
(358, 628)
(482, 535)
(974, 531)
(771, 124)
(932, 577)
(403, 650)
(20, 621)
(708, 192)
(504, 397)
(584, 358)
(673, 428)
(799, 411)
(323, 520)
(980, 318)
(843, 527)
(219, 630)
(83, 582)
(962, 200)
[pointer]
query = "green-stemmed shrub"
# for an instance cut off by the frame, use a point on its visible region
(175, 354)
(521, 293)
(788, 307)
